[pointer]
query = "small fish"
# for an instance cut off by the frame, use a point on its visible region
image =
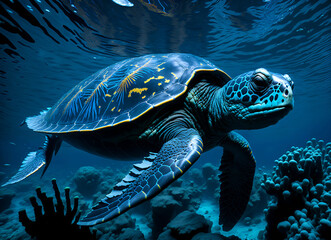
(124, 3)
(12, 143)
(6, 164)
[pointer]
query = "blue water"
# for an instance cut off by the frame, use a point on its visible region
(47, 47)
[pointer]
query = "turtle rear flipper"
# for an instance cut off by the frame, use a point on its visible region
(35, 160)
(236, 178)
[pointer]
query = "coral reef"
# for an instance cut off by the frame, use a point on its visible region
(9, 228)
(6, 197)
(55, 223)
(180, 196)
(189, 225)
(185, 225)
(213, 236)
(210, 175)
(87, 179)
(197, 191)
(301, 185)
(130, 234)
(122, 227)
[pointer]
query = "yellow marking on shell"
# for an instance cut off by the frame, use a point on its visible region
(198, 152)
(108, 95)
(180, 169)
(171, 99)
(68, 104)
(200, 148)
(167, 80)
(151, 78)
(160, 64)
(199, 141)
(173, 175)
(174, 75)
(143, 97)
(105, 79)
(62, 101)
(153, 93)
(137, 90)
(113, 109)
(158, 67)
(119, 211)
(188, 162)
(159, 84)
(129, 204)
(114, 92)
(119, 110)
(99, 106)
(128, 80)
(81, 89)
(102, 220)
(144, 194)
(158, 186)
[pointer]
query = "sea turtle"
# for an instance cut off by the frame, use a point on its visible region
(165, 109)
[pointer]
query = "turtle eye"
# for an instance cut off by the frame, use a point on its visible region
(260, 82)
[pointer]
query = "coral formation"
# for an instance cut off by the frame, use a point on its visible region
(189, 225)
(180, 196)
(121, 227)
(54, 223)
(210, 175)
(87, 179)
(301, 185)
(185, 225)
(130, 234)
(213, 236)
(151, 219)
(6, 197)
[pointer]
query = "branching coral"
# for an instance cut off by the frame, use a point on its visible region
(301, 184)
(55, 223)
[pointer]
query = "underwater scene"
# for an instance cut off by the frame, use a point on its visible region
(165, 120)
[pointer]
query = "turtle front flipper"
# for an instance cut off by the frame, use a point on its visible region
(236, 178)
(149, 178)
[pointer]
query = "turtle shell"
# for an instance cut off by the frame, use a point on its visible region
(123, 92)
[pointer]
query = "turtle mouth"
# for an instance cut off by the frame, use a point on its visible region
(268, 111)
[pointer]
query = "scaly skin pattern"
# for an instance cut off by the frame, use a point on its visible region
(253, 100)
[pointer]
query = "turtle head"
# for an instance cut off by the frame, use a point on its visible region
(256, 99)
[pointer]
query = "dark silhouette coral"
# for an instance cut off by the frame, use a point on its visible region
(57, 222)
